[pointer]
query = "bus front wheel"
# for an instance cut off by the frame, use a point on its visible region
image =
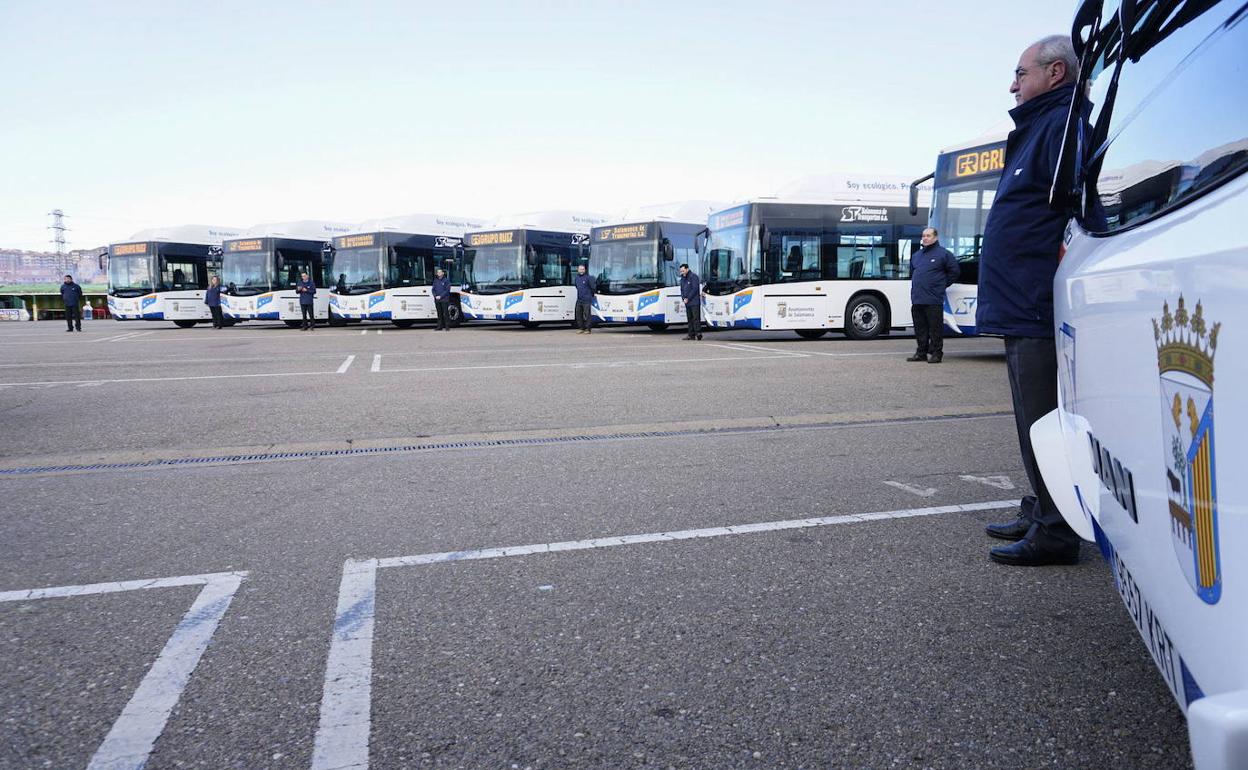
(454, 315)
(864, 318)
(811, 334)
(337, 320)
(184, 324)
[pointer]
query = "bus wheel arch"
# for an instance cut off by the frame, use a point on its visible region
(866, 316)
(657, 327)
(810, 334)
(184, 324)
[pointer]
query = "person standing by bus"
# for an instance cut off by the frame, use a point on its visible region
(932, 270)
(307, 293)
(212, 298)
(71, 296)
(441, 292)
(584, 299)
(1022, 245)
(691, 296)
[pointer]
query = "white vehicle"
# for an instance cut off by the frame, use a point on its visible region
(259, 271)
(1152, 330)
(383, 272)
(635, 263)
(966, 180)
(829, 255)
(13, 309)
(522, 269)
(161, 274)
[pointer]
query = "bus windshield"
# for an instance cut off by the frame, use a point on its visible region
(356, 271)
(726, 265)
(493, 269)
(959, 213)
(625, 267)
(247, 273)
(130, 276)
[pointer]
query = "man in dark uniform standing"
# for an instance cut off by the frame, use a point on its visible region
(441, 291)
(306, 290)
(691, 296)
(71, 295)
(932, 270)
(585, 293)
(1022, 245)
(212, 298)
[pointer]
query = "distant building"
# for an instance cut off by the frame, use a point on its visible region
(27, 267)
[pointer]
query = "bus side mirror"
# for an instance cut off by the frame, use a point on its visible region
(764, 238)
(700, 239)
(914, 193)
(669, 254)
(531, 255)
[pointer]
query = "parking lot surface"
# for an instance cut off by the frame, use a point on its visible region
(509, 548)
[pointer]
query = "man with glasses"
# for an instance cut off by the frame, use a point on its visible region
(1022, 245)
(932, 270)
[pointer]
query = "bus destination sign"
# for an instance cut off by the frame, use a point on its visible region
(254, 244)
(123, 249)
(621, 233)
(355, 241)
(499, 238)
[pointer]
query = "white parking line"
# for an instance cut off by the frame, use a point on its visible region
(740, 346)
(586, 364)
(130, 740)
(346, 700)
(376, 363)
(345, 365)
(363, 331)
(46, 383)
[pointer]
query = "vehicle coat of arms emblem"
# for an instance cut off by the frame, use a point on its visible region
(782, 309)
(1186, 344)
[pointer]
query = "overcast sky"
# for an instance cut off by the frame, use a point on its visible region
(131, 114)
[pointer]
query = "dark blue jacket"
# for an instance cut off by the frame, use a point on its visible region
(1023, 236)
(212, 297)
(71, 294)
(691, 287)
(584, 288)
(932, 270)
(307, 290)
(441, 289)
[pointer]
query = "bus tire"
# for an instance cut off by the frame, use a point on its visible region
(659, 327)
(293, 324)
(184, 324)
(402, 323)
(454, 315)
(810, 334)
(864, 317)
(335, 320)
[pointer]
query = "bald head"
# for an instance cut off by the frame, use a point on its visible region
(1046, 64)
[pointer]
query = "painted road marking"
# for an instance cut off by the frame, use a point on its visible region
(130, 740)
(920, 491)
(376, 367)
(997, 482)
(756, 348)
(587, 364)
(346, 700)
(167, 379)
(345, 365)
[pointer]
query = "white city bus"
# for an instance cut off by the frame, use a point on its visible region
(521, 270)
(260, 269)
(1152, 329)
(966, 180)
(635, 263)
(161, 274)
(383, 272)
(830, 254)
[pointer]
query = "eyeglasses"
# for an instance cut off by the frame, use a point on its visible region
(1020, 72)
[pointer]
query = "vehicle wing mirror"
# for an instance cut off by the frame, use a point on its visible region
(700, 239)
(531, 255)
(904, 246)
(914, 193)
(764, 239)
(668, 252)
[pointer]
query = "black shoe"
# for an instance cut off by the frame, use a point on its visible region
(1011, 530)
(1028, 553)
(699, 336)
(935, 358)
(688, 337)
(918, 357)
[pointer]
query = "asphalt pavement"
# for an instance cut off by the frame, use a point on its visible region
(509, 548)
